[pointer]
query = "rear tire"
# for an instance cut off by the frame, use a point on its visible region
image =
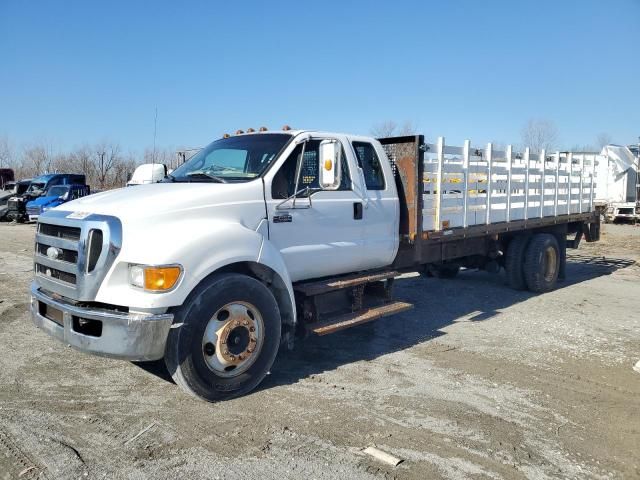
(542, 263)
(514, 262)
(227, 338)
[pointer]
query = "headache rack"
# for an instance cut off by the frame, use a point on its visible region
(450, 195)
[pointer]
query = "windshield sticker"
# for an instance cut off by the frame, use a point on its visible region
(79, 215)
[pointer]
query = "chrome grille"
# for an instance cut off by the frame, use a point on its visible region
(58, 274)
(64, 243)
(59, 231)
(66, 255)
(33, 210)
(72, 255)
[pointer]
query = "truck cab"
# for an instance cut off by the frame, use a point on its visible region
(148, 173)
(54, 196)
(17, 205)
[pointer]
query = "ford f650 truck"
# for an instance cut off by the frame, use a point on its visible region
(263, 236)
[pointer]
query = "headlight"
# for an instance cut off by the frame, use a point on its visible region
(44, 209)
(154, 278)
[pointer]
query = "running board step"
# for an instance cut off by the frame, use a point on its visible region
(348, 320)
(347, 281)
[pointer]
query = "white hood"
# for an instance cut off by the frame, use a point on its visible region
(144, 202)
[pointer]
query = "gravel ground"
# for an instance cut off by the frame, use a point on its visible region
(478, 381)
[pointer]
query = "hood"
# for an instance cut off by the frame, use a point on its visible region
(42, 201)
(168, 199)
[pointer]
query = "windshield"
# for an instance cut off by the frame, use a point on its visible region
(35, 186)
(57, 191)
(234, 159)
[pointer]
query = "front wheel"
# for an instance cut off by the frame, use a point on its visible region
(225, 337)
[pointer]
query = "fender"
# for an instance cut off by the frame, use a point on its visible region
(200, 249)
(272, 258)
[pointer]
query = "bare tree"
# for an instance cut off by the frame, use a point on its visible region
(106, 158)
(384, 129)
(390, 128)
(7, 153)
(123, 171)
(538, 134)
(37, 159)
(408, 128)
(603, 139)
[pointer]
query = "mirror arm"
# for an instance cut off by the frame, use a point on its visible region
(308, 190)
(298, 170)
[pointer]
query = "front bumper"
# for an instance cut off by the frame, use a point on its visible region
(128, 336)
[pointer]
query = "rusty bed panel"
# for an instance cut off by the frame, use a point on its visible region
(406, 157)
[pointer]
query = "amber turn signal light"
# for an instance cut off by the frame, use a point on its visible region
(158, 279)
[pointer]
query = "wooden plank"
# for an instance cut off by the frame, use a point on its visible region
(346, 281)
(349, 320)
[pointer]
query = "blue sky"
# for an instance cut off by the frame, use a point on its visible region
(76, 72)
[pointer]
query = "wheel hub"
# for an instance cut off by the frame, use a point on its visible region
(232, 339)
(550, 262)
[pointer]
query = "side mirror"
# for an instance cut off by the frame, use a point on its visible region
(330, 159)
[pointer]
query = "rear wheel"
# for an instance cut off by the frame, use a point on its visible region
(227, 338)
(514, 262)
(542, 263)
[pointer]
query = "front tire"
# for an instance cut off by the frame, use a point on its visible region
(225, 337)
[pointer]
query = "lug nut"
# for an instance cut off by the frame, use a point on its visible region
(252, 329)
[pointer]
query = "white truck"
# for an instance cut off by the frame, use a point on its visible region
(148, 173)
(264, 236)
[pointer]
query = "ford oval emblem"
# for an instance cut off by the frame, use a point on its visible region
(53, 253)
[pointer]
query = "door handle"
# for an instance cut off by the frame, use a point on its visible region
(357, 210)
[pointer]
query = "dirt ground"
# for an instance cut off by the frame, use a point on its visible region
(478, 381)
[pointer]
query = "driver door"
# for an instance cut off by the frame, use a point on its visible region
(322, 234)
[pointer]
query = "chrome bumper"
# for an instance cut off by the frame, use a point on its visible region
(127, 336)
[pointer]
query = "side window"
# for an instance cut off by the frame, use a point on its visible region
(370, 164)
(284, 182)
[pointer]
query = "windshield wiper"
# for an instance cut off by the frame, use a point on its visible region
(206, 175)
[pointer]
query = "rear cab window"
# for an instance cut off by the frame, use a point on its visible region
(370, 163)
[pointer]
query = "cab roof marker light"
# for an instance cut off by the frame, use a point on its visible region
(226, 135)
(286, 128)
(263, 129)
(239, 132)
(250, 130)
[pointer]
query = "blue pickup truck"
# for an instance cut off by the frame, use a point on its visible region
(54, 196)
